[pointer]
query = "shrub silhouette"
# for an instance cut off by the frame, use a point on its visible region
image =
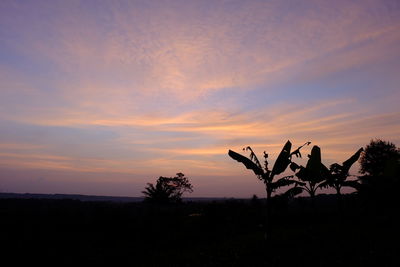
(168, 189)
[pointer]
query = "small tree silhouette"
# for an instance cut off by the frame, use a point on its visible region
(339, 174)
(168, 189)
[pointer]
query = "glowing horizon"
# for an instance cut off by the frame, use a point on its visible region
(102, 97)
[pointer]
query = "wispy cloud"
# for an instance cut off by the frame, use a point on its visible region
(187, 56)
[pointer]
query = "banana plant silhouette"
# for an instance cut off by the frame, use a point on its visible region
(266, 175)
(313, 175)
(339, 174)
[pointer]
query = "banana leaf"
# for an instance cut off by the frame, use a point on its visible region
(325, 171)
(283, 182)
(325, 184)
(294, 166)
(304, 174)
(297, 151)
(348, 163)
(315, 169)
(283, 159)
(314, 161)
(246, 162)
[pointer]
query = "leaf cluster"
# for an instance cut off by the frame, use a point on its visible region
(266, 175)
(339, 174)
(316, 175)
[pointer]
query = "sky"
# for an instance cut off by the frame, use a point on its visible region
(102, 97)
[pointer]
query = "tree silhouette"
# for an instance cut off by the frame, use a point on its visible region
(168, 189)
(380, 164)
(339, 174)
(314, 174)
(378, 157)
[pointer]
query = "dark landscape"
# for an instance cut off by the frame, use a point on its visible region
(192, 233)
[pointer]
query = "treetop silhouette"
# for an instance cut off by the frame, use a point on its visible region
(168, 189)
(380, 164)
(378, 158)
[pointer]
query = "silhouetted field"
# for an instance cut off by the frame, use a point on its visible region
(229, 233)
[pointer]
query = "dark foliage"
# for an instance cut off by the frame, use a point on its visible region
(379, 158)
(339, 174)
(314, 174)
(168, 189)
(380, 164)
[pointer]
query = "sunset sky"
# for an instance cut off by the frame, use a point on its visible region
(101, 97)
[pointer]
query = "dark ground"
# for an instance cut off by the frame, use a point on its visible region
(228, 233)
